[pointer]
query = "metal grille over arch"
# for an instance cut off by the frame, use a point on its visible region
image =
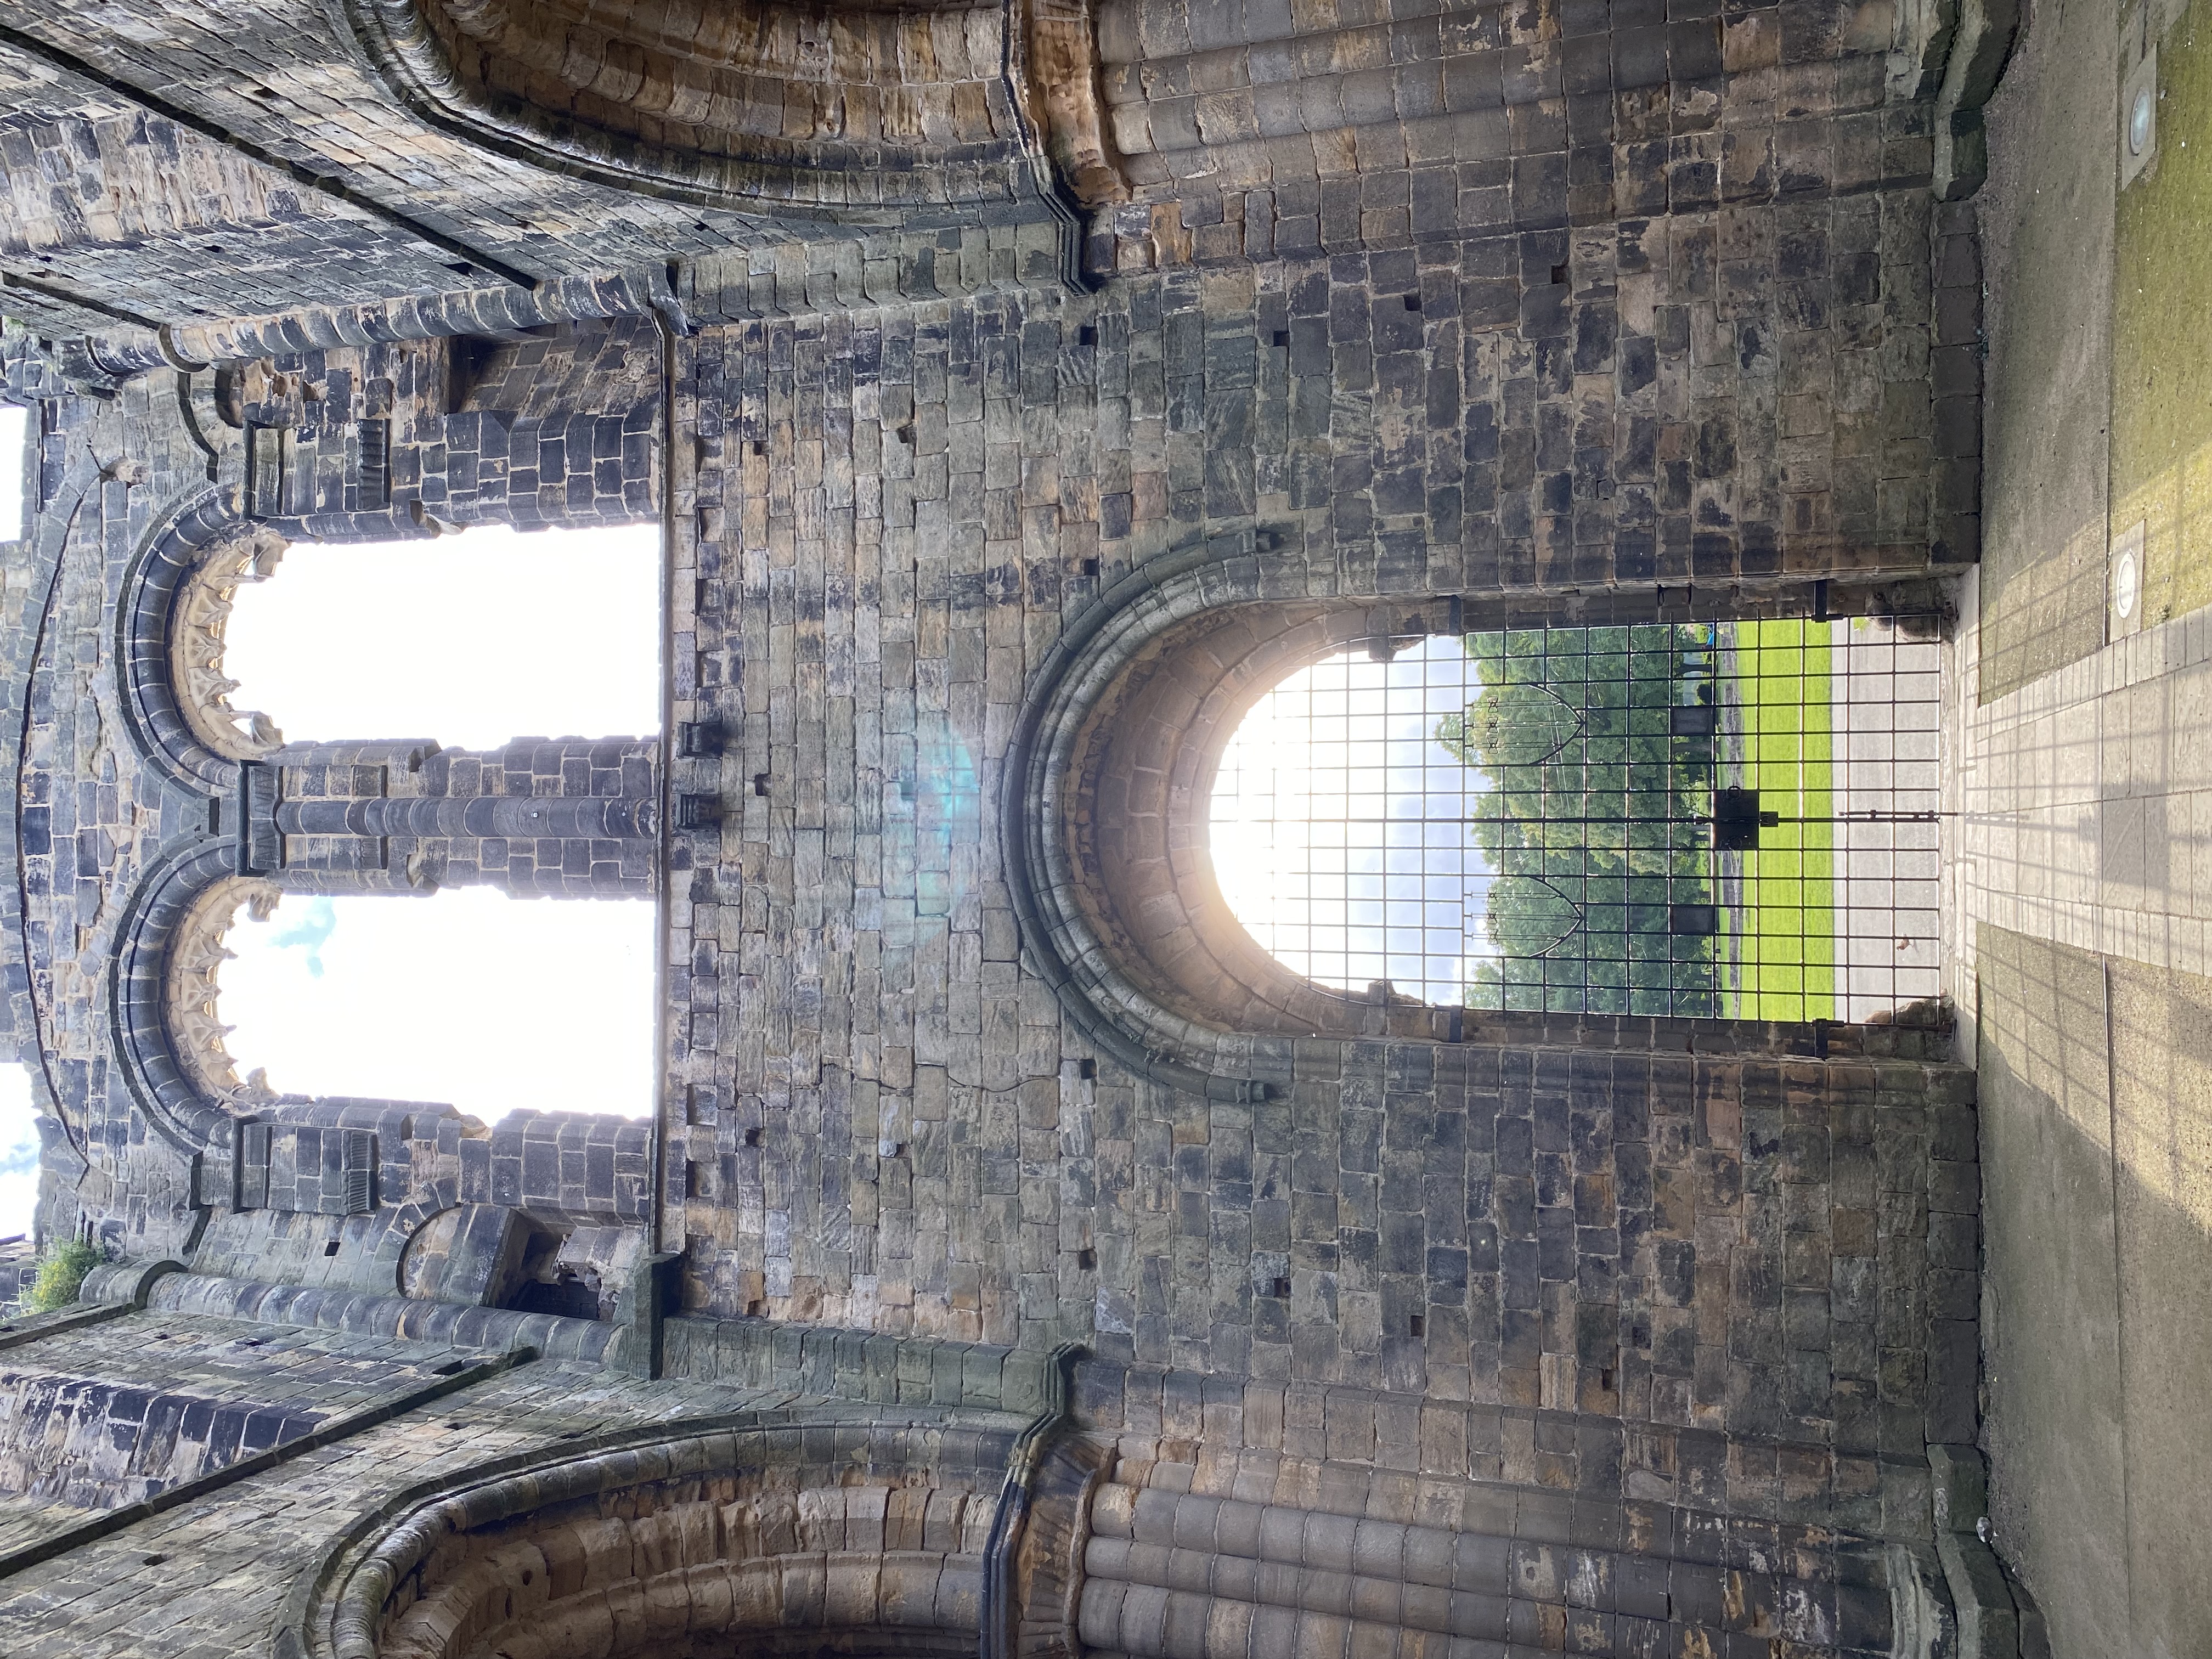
(1127, 722)
(1139, 765)
(1703, 820)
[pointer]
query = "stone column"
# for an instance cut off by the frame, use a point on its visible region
(569, 817)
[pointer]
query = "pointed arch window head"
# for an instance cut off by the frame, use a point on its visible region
(1729, 820)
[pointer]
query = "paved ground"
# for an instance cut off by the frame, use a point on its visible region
(2161, 468)
(2078, 893)
(2047, 224)
(1887, 872)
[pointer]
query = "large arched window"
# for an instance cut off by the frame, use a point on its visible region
(405, 960)
(1707, 819)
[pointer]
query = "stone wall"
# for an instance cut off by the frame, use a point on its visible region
(538, 818)
(107, 1416)
(222, 1569)
(127, 492)
(902, 1131)
(314, 185)
(1539, 309)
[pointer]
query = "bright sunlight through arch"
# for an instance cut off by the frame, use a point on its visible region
(1339, 826)
(472, 639)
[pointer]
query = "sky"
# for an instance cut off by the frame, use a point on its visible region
(1339, 833)
(471, 639)
(19, 1151)
(483, 1001)
(14, 427)
(469, 997)
(19, 1141)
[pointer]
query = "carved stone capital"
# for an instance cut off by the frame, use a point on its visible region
(1060, 86)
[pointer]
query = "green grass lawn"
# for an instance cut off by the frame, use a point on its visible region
(1782, 941)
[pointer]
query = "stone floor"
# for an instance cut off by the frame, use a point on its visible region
(2078, 889)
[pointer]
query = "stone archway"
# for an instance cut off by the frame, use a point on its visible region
(800, 1531)
(1110, 760)
(861, 114)
(1140, 769)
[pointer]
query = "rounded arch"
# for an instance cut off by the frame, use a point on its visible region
(795, 1527)
(1141, 769)
(170, 614)
(1105, 819)
(169, 950)
(199, 617)
(161, 989)
(188, 743)
(1108, 773)
(192, 985)
(876, 114)
(165, 911)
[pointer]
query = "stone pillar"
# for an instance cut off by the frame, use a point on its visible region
(566, 818)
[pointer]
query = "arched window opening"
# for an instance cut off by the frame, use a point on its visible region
(471, 639)
(328, 985)
(1734, 820)
(470, 997)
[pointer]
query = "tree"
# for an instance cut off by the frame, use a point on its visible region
(1593, 819)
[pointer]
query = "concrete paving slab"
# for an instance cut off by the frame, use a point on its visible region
(2161, 1039)
(2054, 1421)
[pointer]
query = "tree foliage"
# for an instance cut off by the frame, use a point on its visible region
(1592, 816)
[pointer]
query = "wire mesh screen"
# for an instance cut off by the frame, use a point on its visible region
(1732, 820)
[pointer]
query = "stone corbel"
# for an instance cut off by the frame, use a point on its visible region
(211, 427)
(1058, 84)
